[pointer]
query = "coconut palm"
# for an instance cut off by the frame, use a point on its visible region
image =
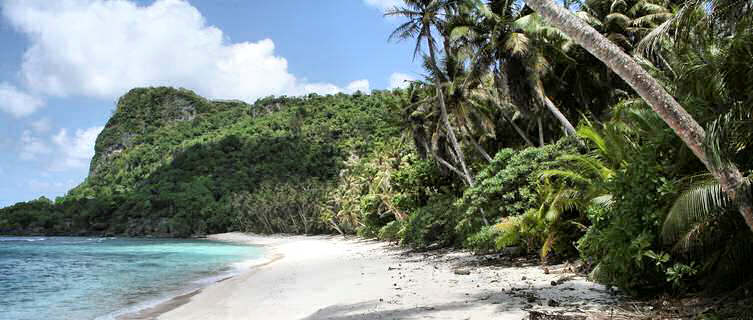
(428, 131)
(701, 222)
(718, 17)
(425, 17)
(508, 39)
(730, 178)
(625, 22)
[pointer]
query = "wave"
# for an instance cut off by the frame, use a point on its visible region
(191, 287)
(146, 305)
(18, 239)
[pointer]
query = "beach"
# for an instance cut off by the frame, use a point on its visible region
(331, 277)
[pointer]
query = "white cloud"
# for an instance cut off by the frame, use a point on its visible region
(400, 80)
(17, 102)
(326, 88)
(42, 125)
(74, 151)
(104, 48)
(358, 85)
(384, 4)
(32, 146)
(48, 186)
(61, 151)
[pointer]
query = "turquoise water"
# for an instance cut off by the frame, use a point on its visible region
(88, 278)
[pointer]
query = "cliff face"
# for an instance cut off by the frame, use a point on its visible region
(139, 113)
(171, 163)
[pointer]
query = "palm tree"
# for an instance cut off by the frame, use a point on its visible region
(506, 38)
(624, 22)
(694, 136)
(490, 97)
(426, 125)
(699, 221)
(425, 17)
(471, 120)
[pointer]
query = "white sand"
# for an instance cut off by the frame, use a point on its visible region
(326, 277)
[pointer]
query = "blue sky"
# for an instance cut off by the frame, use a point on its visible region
(63, 64)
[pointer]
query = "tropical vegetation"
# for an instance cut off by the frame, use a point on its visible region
(614, 131)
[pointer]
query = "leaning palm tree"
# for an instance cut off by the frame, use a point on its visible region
(429, 132)
(683, 124)
(424, 18)
(699, 222)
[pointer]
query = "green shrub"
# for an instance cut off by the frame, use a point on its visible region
(527, 231)
(507, 186)
(483, 241)
(392, 231)
(622, 238)
(432, 224)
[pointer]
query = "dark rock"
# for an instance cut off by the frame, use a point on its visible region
(462, 272)
(512, 251)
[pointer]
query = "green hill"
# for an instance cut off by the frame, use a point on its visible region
(171, 163)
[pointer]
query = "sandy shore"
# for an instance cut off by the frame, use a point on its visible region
(326, 277)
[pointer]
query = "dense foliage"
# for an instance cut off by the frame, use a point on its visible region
(172, 163)
(518, 140)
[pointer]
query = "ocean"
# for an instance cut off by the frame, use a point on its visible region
(54, 278)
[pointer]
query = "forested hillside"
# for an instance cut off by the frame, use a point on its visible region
(171, 163)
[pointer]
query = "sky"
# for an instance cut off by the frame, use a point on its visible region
(64, 63)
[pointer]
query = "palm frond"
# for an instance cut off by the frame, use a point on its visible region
(699, 204)
(590, 134)
(517, 44)
(617, 20)
(603, 201)
(651, 20)
(591, 164)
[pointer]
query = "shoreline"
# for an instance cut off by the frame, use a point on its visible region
(331, 277)
(152, 311)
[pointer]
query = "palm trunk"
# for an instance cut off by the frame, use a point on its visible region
(446, 120)
(445, 163)
(569, 129)
(520, 132)
(651, 91)
(480, 149)
(541, 131)
(453, 139)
